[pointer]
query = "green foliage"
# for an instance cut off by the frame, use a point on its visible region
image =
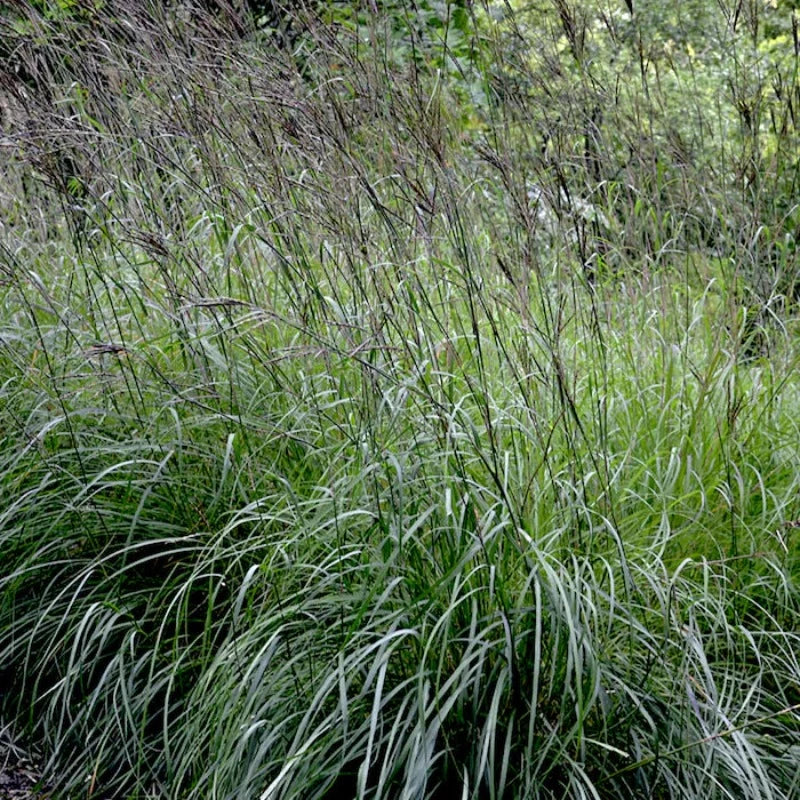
(687, 108)
(76, 10)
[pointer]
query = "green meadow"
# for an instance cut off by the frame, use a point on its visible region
(401, 400)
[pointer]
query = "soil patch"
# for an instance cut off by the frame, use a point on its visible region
(20, 778)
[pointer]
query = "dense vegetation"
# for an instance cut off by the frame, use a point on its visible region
(401, 401)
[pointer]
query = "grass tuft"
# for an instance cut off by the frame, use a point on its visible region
(372, 429)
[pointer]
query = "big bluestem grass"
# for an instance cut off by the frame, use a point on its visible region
(331, 467)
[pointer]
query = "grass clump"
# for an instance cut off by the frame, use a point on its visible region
(355, 447)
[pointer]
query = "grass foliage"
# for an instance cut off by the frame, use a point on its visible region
(339, 460)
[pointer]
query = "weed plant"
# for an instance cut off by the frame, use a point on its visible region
(345, 454)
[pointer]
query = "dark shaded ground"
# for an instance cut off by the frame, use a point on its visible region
(19, 775)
